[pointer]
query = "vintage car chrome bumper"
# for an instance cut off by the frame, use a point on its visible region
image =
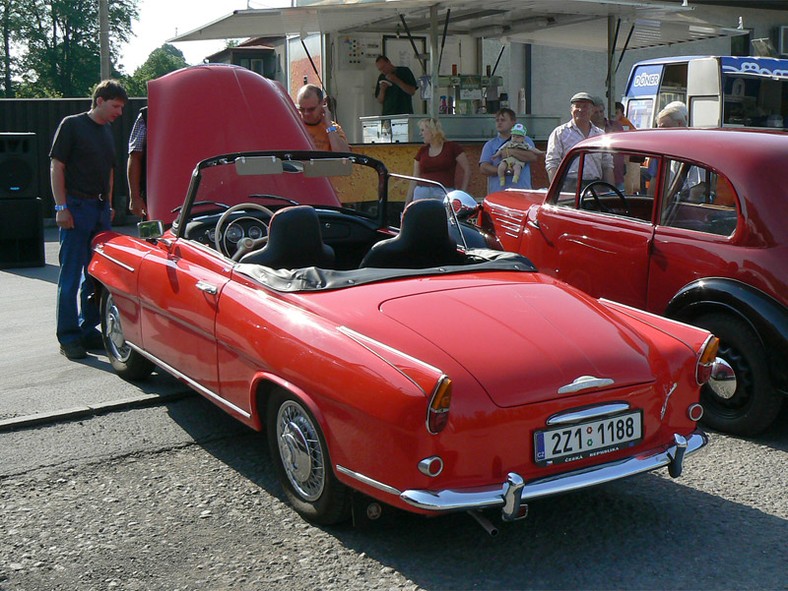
(513, 493)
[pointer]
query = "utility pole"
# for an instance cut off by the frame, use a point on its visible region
(104, 38)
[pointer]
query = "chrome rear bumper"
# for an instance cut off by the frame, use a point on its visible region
(515, 491)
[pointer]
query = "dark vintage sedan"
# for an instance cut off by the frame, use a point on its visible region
(388, 367)
(702, 238)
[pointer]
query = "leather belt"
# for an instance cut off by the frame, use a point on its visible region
(81, 195)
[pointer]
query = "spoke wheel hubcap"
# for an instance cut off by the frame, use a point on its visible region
(300, 451)
(119, 349)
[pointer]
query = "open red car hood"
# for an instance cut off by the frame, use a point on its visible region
(203, 111)
(553, 336)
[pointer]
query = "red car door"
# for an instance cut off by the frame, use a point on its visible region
(696, 235)
(180, 285)
(594, 236)
(605, 255)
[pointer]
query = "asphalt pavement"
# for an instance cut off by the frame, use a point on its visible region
(39, 385)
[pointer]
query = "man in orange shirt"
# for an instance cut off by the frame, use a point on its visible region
(326, 134)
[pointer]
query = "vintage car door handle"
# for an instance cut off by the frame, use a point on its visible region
(207, 287)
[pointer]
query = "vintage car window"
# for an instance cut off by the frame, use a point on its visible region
(359, 190)
(567, 196)
(273, 181)
(697, 198)
(623, 194)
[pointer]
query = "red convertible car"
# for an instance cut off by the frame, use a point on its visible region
(386, 366)
(705, 242)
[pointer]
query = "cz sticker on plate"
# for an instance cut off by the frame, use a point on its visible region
(569, 443)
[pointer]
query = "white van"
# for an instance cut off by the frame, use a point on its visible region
(718, 91)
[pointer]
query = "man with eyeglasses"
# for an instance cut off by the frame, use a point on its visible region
(326, 133)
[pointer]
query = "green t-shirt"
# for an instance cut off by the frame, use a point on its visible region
(397, 101)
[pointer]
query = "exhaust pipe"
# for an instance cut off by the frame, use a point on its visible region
(484, 522)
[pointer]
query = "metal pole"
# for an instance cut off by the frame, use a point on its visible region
(612, 34)
(434, 59)
(104, 39)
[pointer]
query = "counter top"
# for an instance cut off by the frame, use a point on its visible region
(465, 128)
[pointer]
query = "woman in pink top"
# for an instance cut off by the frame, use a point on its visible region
(438, 160)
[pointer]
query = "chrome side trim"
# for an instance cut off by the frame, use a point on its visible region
(368, 481)
(668, 394)
(494, 496)
(190, 382)
(585, 383)
(361, 338)
(100, 251)
(364, 341)
(578, 416)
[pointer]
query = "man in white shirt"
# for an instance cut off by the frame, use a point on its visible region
(564, 137)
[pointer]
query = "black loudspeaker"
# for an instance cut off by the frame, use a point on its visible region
(21, 233)
(18, 166)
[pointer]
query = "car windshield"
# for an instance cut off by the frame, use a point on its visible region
(277, 179)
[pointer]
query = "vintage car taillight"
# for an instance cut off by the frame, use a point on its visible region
(438, 410)
(706, 358)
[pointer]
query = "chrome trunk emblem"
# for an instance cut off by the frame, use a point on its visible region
(585, 383)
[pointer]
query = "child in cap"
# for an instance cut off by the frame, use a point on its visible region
(510, 164)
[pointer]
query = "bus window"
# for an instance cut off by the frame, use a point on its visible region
(641, 112)
(755, 102)
(674, 85)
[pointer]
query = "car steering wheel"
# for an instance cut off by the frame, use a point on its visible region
(592, 189)
(219, 239)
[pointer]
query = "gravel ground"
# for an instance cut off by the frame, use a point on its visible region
(153, 522)
(211, 516)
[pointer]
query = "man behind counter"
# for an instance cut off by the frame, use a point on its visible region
(395, 87)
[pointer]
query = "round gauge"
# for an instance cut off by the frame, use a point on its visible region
(212, 236)
(256, 232)
(234, 233)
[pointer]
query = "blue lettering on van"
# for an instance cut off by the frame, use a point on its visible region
(755, 66)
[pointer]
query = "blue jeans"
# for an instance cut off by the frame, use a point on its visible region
(91, 216)
(429, 192)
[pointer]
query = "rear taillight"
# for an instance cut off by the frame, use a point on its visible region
(440, 401)
(706, 358)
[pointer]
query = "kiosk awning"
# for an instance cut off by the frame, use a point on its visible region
(581, 24)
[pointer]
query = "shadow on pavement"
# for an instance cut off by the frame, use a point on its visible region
(645, 532)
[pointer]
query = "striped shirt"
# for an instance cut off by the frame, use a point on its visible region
(563, 138)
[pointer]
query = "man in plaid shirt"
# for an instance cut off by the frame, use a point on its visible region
(564, 137)
(135, 171)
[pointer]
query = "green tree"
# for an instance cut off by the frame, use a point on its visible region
(60, 52)
(9, 27)
(161, 61)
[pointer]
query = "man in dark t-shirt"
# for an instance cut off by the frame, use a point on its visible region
(395, 87)
(82, 161)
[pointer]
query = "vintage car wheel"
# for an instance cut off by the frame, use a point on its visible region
(300, 454)
(126, 362)
(739, 397)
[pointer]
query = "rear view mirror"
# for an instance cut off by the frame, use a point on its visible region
(150, 230)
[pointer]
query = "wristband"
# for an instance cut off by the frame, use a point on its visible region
(59, 207)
